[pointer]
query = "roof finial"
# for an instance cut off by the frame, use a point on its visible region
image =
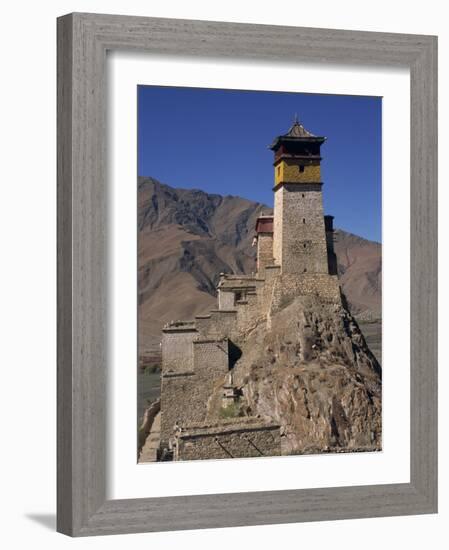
(296, 121)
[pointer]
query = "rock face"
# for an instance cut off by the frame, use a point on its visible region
(312, 373)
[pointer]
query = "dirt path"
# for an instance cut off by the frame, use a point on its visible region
(149, 450)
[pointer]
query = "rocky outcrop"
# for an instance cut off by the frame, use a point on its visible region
(312, 373)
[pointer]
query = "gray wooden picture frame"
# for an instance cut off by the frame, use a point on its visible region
(83, 40)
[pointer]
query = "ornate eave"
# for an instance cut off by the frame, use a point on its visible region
(297, 133)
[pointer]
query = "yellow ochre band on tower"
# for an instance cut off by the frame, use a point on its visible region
(292, 171)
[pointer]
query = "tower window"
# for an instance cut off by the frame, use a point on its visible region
(305, 245)
(279, 170)
(301, 168)
(303, 220)
(303, 195)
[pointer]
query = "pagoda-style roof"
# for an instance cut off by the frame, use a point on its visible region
(296, 133)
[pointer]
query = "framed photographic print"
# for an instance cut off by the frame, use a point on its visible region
(247, 274)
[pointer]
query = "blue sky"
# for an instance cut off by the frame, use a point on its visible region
(217, 141)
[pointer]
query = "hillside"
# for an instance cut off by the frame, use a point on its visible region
(187, 237)
(360, 273)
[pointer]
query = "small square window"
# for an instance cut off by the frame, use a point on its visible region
(301, 168)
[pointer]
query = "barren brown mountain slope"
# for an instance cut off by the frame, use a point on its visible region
(187, 237)
(360, 273)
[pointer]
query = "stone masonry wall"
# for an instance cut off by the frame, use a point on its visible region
(265, 295)
(278, 226)
(218, 324)
(184, 396)
(211, 359)
(303, 240)
(289, 286)
(177, 351)
(248, 312)
(225, 299)
(175, 390)
(229, 442)
(264, 252)
(177, 375)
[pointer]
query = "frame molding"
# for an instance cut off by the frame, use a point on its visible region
(83, 40)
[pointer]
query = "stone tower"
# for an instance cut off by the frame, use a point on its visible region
(299, 239)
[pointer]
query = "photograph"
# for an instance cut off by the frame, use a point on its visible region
(259, 274)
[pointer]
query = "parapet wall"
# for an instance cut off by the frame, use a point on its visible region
(230, 439)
